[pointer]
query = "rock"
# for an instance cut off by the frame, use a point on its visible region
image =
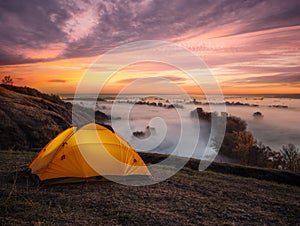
(101, 117)
(30, 119)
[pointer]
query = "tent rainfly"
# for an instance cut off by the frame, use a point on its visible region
(88, 152)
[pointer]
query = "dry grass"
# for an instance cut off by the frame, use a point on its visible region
(188, 198)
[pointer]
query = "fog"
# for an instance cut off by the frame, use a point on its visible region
(279, 126)
(174, 131)
(171, 130)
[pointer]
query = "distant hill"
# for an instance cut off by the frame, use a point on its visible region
(29, 118)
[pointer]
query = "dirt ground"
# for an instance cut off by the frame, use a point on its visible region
(188, 198)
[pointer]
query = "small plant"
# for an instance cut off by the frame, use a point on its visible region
(7, 80)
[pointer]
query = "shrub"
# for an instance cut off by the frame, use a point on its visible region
(7, 80)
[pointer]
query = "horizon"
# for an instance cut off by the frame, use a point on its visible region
(51, 45)
(228, 94)
(101, 93)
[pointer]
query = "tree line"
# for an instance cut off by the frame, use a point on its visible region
(241, 146)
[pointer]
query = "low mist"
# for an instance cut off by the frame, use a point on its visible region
(171, 128)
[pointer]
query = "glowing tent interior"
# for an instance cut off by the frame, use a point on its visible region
(90, 151)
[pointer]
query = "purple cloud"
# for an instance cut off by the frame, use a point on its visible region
(35, 24)
(289, 78)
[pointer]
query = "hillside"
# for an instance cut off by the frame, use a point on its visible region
(223, 194)
(29, 118)
(188, 198)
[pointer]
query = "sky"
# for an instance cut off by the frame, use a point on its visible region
(249, 46)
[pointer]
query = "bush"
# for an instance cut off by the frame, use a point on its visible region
(7, 80)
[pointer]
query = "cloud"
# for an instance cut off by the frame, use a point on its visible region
(246, 69)
(174, 78)
(57, 80)
(158, 79)
(286, 78)
(28, 25)
(127, 80)
(91, 28)
(7, 58)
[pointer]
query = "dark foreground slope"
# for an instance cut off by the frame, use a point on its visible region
(188, 198)
(29, 118)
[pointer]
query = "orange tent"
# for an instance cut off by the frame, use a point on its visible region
(90, 151)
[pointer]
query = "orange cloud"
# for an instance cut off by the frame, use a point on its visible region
(51, 51)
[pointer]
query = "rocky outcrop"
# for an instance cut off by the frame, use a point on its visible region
(29, 118)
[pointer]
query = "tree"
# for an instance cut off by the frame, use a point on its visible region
(7, 80)
(235, 124)
(259, 155)
(244, 143)
(291, 157)
(258, 115)
(240, 145)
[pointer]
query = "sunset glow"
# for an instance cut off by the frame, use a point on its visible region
(250, 47)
